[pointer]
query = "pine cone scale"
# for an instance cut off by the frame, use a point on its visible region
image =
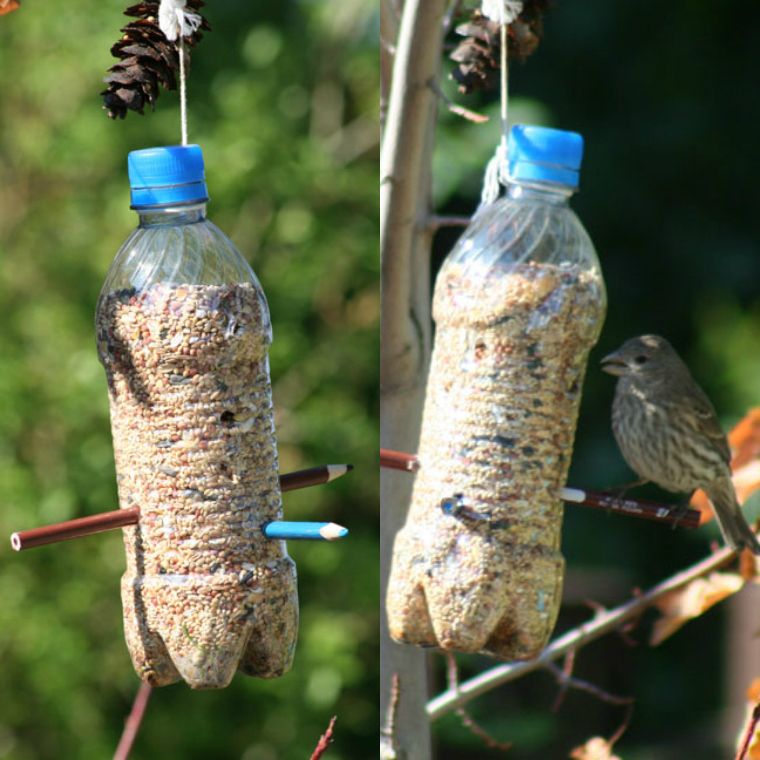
(147, 60)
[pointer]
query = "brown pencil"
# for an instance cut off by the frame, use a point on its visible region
(119, 518)
(398, 460)
(646, 510)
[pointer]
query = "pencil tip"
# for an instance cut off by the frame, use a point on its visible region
(333, 531)
(337, 470)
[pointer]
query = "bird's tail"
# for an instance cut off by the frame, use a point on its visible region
(736, 532)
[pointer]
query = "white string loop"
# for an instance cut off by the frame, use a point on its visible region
(177, 23)
(497, 170)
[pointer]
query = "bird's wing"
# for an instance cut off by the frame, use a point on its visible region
(700, 414)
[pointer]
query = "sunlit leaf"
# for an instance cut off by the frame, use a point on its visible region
(744, 440)
(6, 6)
(684, 604)
(595, 748)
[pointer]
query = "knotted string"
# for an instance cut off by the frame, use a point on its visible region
(177, 23)
(497, 169)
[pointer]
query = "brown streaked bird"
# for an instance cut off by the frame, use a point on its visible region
(668, 432)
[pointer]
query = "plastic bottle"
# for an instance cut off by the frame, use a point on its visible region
(518, 304)
(183, 333)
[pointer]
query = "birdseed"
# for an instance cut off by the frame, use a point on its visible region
(204, 592)
(477, 567)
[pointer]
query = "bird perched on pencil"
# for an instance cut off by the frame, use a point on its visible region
(668, 432)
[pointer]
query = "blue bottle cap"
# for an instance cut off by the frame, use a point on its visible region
(540, 154)
(167, 176)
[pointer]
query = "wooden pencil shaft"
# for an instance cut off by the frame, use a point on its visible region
(83, 526)
(120, 518)
(646, 510)
(398, 460)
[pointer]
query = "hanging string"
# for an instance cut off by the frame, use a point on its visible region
(177, 23)
(182, 91)
(497, 170)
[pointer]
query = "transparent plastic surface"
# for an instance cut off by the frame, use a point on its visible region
(518, 304)
(183, 333)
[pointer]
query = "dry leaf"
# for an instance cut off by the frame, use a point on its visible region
(691, 601)
(749, 565)
(753, 691)
(6, 6)
(744, 440)
(596, 748)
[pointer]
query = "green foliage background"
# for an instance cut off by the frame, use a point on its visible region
(283, 101)
(666, 97)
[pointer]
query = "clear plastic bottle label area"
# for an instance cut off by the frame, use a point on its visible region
(191, 413)
(477, 567)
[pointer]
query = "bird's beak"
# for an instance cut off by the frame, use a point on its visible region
(613, 364)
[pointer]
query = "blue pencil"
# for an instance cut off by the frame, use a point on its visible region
(304, 531)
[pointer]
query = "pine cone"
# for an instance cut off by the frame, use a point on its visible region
(478, 55)
(148, 60)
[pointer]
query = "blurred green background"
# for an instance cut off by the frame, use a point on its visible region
(283, 100)
(666, 96)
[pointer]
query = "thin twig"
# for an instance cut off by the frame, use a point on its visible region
(456, 108)
(436, 222)
(565, 680)
(388, 729)
(576, 638)
(324, 740)
(133, 722)
(567, 670)
(749, 732)
(452, 679)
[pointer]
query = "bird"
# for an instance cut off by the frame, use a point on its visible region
(668, 432)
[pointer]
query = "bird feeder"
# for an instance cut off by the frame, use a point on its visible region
(518, 304)
(183, 333)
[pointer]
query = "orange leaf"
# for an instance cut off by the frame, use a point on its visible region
(744, 440)
(753, 691)
(6, 6)
(749, 565)
(594, 749)
(684, 604)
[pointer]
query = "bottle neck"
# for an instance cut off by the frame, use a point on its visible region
(541, 192)
(171, 215)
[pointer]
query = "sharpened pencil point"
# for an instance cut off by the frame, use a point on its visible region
(333, 531)
(335, 471)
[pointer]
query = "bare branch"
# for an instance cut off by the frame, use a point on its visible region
(569, 681)
(388, 729)
(406, 159)
(749, 732)
(436, 223)
(601, 624)
(455, 108)
(324, 740)
(133, 722)
(452, 678)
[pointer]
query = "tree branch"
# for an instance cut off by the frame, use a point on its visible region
(601, 624)
(406, 159)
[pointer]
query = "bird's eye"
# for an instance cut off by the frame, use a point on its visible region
(640, 359)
